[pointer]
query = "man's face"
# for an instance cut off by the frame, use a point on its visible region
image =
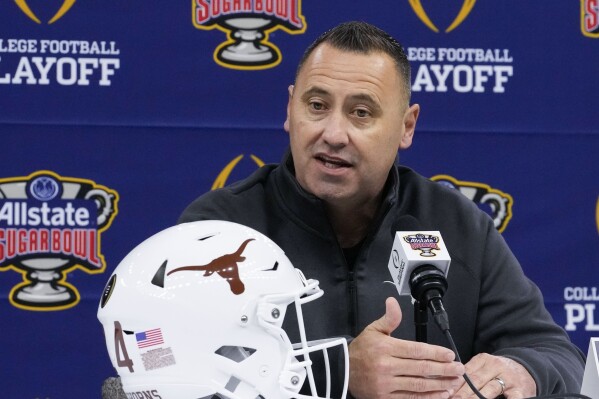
(347, 117)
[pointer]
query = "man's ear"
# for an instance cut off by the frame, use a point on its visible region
(286, 123)
(409, 122)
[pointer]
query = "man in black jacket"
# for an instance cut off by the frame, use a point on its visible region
(333, 206)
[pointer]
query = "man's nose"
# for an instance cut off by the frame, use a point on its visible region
(336, 130)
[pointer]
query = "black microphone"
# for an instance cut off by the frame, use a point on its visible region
(428, 285)
(419, 264)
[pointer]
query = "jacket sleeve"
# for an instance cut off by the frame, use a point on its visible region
(513, 322)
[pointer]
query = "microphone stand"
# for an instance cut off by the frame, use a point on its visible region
(427, 285)
(420, 320)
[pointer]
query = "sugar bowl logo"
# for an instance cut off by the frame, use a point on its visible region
(499, 203)
(589, 18)
(462, 14)
(425, 243)
(49, 226)
(247, 25)
(66, 6)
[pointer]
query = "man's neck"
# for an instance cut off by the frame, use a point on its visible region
(351, 224)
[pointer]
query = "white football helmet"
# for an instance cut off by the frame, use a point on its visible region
(196, 311)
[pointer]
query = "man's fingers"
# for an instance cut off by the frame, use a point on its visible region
(397, 367)
(421, 385)
(493, 389)
(407, 349)
(494, 374)
(422, 351)
(390, 320)
(384, 366)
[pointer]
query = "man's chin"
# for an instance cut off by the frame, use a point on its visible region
(332, 194)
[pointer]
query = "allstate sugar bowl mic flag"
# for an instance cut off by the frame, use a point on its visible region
(115, 115)
(412, 249)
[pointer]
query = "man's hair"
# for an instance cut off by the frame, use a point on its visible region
(364, 38)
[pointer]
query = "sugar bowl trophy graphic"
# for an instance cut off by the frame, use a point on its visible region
(247, 25)
(49, 226)
(425, 243)
(248, 47)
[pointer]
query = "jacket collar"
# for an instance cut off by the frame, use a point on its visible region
(308, 210)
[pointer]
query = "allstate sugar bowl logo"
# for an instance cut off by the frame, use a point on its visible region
(247, 24)
(49, 226)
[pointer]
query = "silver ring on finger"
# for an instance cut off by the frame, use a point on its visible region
(502, 383)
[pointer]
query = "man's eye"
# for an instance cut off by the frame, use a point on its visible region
(362, 113)
(317, 106)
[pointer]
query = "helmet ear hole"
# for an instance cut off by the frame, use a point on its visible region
(158, 279)
(236, 353)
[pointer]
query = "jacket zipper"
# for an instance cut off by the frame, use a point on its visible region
(353, 303)
(351, 280)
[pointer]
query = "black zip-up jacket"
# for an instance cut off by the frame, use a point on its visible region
(492, 306)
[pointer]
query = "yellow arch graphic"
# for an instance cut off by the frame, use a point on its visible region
(59, 14)
(421, 13)
(419, 10)
(464, 11)
(25, 8)
(221, 179)
(62, 11)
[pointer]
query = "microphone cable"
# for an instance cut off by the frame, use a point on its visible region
(441, 320)
(428, 285)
